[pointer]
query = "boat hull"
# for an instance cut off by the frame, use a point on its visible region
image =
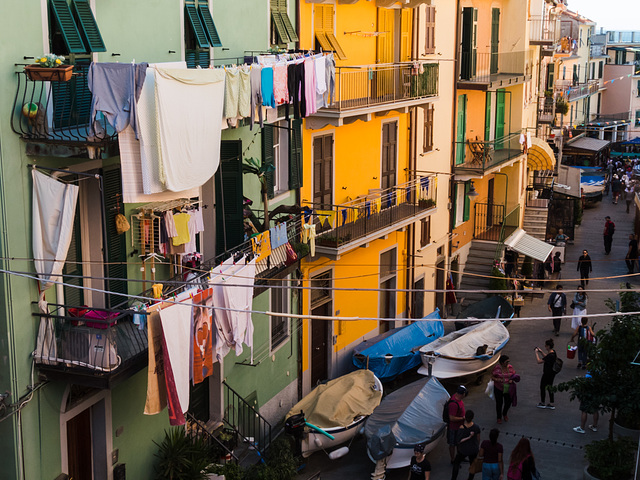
(315, 441)
(444, 367)
(401, 455)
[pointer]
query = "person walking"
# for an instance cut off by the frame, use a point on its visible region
(616, 188)
(491, 454)
(632, 254)
(522, 465)
(585, 335)
(609, 229)
(468, 444)
(502, 376)
(629, 193)
(557, 266)
(557, 305)
(548, 375)
(456, 418)
(579, 306)
(420, 468)
(584, 267)
(585, 411)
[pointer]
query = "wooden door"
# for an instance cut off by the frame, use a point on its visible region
(389, 154)
(323, 172)
(495, 36)
(320, 345)
(418, 299)
(79, 451)
(461, 129)
(490, 192)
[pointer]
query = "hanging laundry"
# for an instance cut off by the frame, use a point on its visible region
(182, 228)
(170, 224)
(115, 88)
(224, 340)
(195, 225)
(330, 68)
(326, 217)
(176, 328)
(156, 399)
(278, 235)
(295, 85)
(309, 236)
(280, 89)
(231, 92)
(202, 336)
(244, 95)
(256, 94)
(189, 106)
(261, 245)
(239, 297)
(321, 81)
(268, 99)
(176, 415)
(310, 85)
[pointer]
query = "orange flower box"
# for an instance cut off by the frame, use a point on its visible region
(62, 73)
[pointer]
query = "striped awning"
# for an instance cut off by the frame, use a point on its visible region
(528, 245)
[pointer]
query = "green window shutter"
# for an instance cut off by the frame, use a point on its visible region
(291, 31)
(454, 201)
(190, 58)
(281, 30)
(487, 118)
(72, 99)
(208, 25)
(267, 157)
(467, 202)
(228, 178)
(295, 156)
(88, 26)
(64, 19)
(116, 243)
(196, 25)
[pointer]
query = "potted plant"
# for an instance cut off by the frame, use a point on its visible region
(562, 107)
(426, 202)
(183, 457)
(48, 68)
(613, 386)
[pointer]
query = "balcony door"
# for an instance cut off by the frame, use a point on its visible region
(469, 43)
(389, 156)
(461, 129)
(495, 36)
(388, 285)
(500, 117)
(321, 304)
(323, 172)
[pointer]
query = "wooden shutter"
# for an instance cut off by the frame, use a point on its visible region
(228, 178)
(425, 232)
(72, 99)
(295, 155)
(406, 20)
(430, 29)
(70, 33)
(196, 25)
(495, 38)
(467, 202)
(284, 14)
(487, 118)
(278, 22)
(268, 157)
(322, 171)
(454, 202)
(427, 144)
(323, 29)
(73, 266)
(389, 149)
(116, 243)
(384, 42)
(208, 24)
(461, 129)
(88, 26)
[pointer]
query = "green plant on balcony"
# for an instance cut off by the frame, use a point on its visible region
(426, 202)
(334, 241)
(562, 107)
(260, 170)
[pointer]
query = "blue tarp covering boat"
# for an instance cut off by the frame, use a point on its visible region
(397, 350)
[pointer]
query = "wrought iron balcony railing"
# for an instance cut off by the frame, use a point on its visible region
(58, 111)
(544, 30)
(476, 156)
(574, 90)
(546, 110)
(492, 67)
(93, 346)
(371, 85)
(343, 225)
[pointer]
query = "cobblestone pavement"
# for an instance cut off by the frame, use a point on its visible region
(557, 448)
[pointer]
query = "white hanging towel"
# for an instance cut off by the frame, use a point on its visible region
(189, 105)
(223, 326)
(176, 328)
(240, 297)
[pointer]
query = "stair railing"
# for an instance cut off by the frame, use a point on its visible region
(196, 428)
(245, 420)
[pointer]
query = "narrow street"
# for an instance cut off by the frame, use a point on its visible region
(557, 448)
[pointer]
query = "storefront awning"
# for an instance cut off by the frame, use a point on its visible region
(587, 143)
(528, 245)
(540, 156)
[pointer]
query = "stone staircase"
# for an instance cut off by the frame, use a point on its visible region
(479, 261)
(535, 222)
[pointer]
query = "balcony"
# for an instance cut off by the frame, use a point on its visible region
(477, 158)
(489, 71)
(366, 89)
(544, 30)
(546, 110)
(57, 112)
(573, 90)
(369, 217)
(89, 346)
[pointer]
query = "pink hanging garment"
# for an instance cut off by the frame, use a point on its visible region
(280, 89)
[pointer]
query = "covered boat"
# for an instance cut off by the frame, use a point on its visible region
(338, 407)
(490, 307)
(410, 415)
(463, 352)
(397, 351)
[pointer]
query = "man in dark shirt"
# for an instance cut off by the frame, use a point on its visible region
(557, 305)
(584, 267)
(420, 468)
(609, 228)
(456, 418)
(632, 253)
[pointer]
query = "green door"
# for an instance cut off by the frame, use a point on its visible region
(500, 114)
(462, 128)
(495, 35)
(487, 118)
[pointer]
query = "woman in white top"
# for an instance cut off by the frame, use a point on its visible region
(579, 307)
(629, 193)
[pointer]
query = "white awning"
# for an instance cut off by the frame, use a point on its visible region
(528, 245)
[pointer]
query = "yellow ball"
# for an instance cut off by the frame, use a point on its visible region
(30, 110)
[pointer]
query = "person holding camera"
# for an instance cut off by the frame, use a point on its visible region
(548, 373)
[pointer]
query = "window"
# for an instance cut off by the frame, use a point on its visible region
(280, 303)
(387, 299)
(430, 30)
(637, 117)
(600, 69)
(425, 232)
(323, 171)
(592, 75)
(638, 89)
(200, 33)
(282, 30)
(564, 72)
(427, 144)
(620, 57)
(389, 154)
(74, 32)
(282, 148)
(324, 31)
